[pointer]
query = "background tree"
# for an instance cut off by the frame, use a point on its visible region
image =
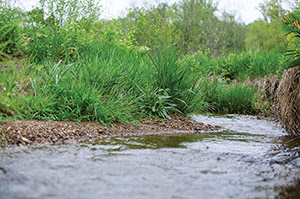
(199, 29)
(294, 5)
(150, 26)
(147, 27)
(264, 34)
(10, 31)
(192, 21)
(62, 12)
(272, 10)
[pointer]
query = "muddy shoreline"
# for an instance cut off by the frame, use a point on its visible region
(20, 133)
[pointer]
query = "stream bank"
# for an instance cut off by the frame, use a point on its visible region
(36, 132)
(282, 97)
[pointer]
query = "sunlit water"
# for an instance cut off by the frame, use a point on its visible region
(250, 159)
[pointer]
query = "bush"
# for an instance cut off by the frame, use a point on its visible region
(238, 66)
(10, 18)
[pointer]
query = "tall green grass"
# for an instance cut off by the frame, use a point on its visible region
(175, 79)
(108, 84)
(240, 66)
(223, 98)
(90, 89)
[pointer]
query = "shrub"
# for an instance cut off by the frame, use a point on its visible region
(10, 18)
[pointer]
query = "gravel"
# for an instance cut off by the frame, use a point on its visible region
(19, 133)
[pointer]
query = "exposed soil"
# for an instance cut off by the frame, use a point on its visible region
(283, 97)
(35, 132)
(288, 96)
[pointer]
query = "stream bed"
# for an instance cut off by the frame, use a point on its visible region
(250, 158)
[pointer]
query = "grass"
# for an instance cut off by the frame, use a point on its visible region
(73, 75)
(240, 66)
(108, 84)
(220, 97)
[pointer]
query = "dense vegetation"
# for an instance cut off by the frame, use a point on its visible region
(60, 61)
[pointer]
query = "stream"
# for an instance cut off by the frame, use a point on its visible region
(250, 158)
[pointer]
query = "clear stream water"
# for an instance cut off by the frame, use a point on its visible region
(251, 158)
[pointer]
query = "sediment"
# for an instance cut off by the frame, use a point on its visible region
(20, 133)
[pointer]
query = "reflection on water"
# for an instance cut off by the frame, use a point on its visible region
(250, 159)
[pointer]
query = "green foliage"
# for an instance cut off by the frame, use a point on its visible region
(146, 27)
(59, 44)
(238, 66)
(10, 18)
(81, 68)
(226, 99)
(156, 103)
(13, 87)
(81, 92)
(62, 30)
(173, 77)
(62, 12)
(149, 28)
(198, 28)
(188, 15)
(189, 25)
(265, 36)
(290, 24)
(294, 5)
(236, 99)
(272, 10)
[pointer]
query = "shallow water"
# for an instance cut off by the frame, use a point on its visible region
(250, 159)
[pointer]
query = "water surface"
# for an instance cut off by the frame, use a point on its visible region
(250, 159)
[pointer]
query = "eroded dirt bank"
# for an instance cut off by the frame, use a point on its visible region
(283, 97)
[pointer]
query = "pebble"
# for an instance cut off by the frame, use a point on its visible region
(33, 132)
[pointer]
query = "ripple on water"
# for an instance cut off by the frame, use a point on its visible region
(250, 159)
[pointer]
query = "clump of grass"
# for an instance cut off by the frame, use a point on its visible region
(220, 97)
(176, 79)
(110, 84)
(236, 99)
(156, 102)
(80, 92)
